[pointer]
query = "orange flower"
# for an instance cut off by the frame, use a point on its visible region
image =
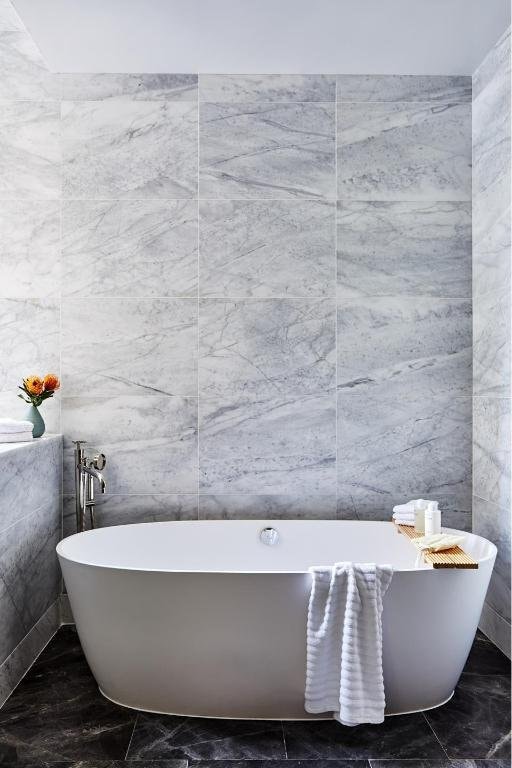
(51, 382)
(34, 385)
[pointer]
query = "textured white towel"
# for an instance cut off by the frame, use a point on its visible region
(11, 426)
(344, 642)
(403, 519)
(16, 437)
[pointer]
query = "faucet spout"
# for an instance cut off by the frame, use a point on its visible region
(97, 474)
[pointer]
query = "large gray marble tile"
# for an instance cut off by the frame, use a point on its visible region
(496, 628)
(17, 664)
(30, 151)
(493, 523)
(492, 343)
(404, 345)
(241, 88)
(269, 446)
(492, 258)
(29, 572)
(29, 340)
(243, 506)
(270, 150)
(404, 88)
(401, 248)
(267, 248)
(30, 478)
(30, 248)
(150, 442)
(252, 348)
(404, 151)
(124, 509)
(131, 248)
(491, 449)
(492, 148)
(146, 87)
(140, 346)
(494, 65)
(24, 73)
(129, 149)
(394, 449)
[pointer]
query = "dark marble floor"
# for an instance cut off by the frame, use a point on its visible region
(56, 717)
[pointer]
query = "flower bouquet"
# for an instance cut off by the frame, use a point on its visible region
(35, 392)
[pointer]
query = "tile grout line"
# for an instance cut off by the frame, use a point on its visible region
(131, 736)
(284, 741)
(435, 734)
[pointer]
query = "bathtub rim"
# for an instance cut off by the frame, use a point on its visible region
(263, 522)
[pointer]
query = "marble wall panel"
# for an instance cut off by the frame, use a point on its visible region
(404, 249)
(118, 149)
(243, 88)
(400, 151)
(266, 248)
(129, 346)
(272, 150)
(129, 248)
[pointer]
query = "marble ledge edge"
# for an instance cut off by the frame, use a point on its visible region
(33, 444)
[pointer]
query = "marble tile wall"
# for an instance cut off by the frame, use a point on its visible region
(30, 528)
(261, 284)
(492, 435)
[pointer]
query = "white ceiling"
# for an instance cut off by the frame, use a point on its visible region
(263, 36)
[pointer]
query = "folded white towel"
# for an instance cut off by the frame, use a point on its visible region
(403, 519)
(405, 509)
(12, 426)
(344, 642)
(16, 437)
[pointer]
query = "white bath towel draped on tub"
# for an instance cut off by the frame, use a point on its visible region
(344, 642)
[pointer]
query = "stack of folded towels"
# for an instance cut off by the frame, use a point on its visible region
(12, 431)
(403, 514)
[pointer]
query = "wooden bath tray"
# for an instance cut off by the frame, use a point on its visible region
(449, 558)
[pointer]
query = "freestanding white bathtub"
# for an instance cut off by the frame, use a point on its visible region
(202, 618)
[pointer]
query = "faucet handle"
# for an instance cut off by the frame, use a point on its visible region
(99, 461)
(78, 443)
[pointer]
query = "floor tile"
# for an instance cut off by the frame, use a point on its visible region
(275, 764)
(161, 736)
(93, 763)
(439, 764)
(406, 736)
(57, 714)
(476, 722)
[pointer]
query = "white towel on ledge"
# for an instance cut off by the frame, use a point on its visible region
(344, 642)
(16, 437)
(12, 426)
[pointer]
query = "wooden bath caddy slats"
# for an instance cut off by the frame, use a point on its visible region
(450, 558)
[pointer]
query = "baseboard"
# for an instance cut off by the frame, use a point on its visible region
(66, 614)
(496, 628)
(19, 661)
